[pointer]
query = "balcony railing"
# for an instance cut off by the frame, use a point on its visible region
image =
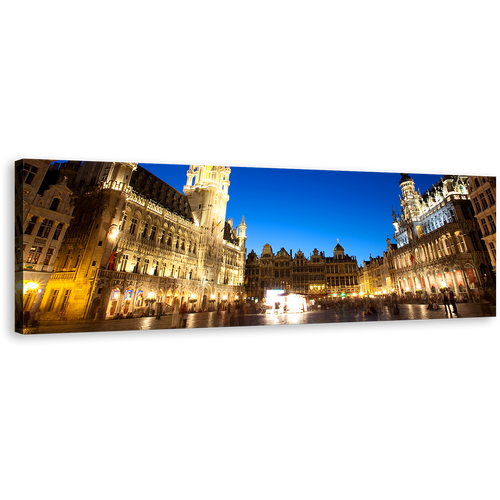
(63, 276)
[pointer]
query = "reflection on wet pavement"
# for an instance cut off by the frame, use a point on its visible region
(214, 320)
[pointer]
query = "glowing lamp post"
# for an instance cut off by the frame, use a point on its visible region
(150, 299)
(212, 301)
(192, 300)
(30, 286)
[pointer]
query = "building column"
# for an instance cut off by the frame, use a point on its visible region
(120, 300)
(427, 284)
(465, 280)
(455, 284)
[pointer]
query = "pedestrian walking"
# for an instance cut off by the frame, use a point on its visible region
(431, 303)
(453, 302)
(175, 317)
(446, 303)
(184, 316)
(395, 307)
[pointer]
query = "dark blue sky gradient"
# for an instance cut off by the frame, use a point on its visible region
(307, 209)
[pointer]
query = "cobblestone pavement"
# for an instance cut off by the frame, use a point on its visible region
(212, 319)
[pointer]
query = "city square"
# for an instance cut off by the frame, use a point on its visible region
(104, 246)
(224, 319)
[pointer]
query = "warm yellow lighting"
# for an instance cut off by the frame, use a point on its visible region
(30, 285)
(193, 296)
(212, 296)
(224, 297)
(150, 295)
(113, 231)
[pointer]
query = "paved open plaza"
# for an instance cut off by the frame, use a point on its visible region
(223, 319)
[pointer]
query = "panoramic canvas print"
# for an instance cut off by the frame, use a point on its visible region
(106, 246)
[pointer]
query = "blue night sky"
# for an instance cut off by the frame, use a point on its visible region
(306, 209)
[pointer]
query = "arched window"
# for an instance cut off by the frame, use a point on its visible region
(55, 204)
(477, 182)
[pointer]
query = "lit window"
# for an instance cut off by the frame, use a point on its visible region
(123, 263)
(48, 256)
(34, 255)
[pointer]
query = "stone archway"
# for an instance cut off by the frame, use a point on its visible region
(94, 308)
(206, 296)
(176, 299)
(169, 297)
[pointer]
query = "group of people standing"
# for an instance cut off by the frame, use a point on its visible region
(449, 302)
(179, 316)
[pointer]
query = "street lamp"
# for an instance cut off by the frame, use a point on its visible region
(149, 300)
(28, 286)
(192, 300)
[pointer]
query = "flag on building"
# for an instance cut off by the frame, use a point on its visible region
(214, 226)
(411, 257)
(112, 257)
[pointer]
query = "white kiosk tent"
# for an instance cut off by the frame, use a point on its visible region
(279, 302)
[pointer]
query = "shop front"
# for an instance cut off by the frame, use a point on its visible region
(127, 301)
(462, 288)
(432, 284)
(113, 302)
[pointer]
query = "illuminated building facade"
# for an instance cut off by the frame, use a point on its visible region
(318, 277)
(136, 245)
(438, 240)
(483, 193)
(43, 213)
(375, 276)
(342, 273)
